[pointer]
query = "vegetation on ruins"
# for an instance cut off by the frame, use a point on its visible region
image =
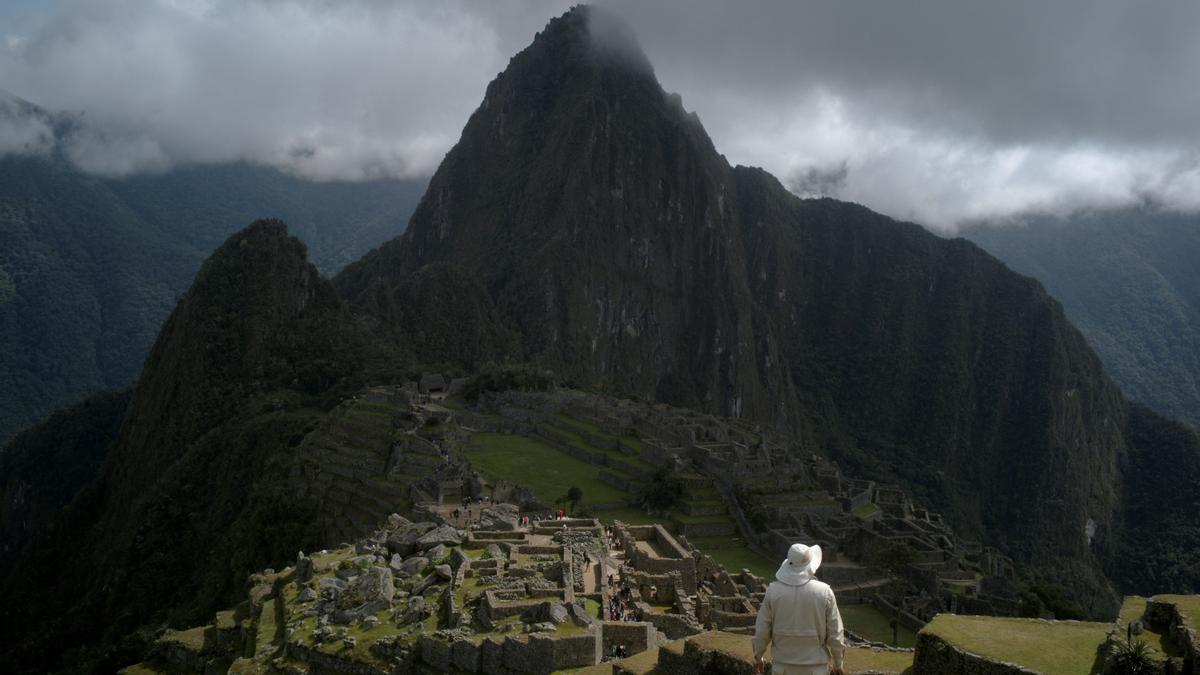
(504, 377)
(662, 492)
(572, 496)
(1133, 658)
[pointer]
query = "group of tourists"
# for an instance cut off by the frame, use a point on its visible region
(616, 652)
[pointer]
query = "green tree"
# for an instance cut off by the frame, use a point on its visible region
(572, 496)
(663, 491)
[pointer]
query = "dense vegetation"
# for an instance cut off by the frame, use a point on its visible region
(45, 467)
(1130, 281)
(90, 267)
(196, 490)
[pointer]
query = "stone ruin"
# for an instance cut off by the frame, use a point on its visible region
(422, 595)
(425, 596)
(800, 496)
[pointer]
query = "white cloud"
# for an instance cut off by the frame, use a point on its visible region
(346, 90)
(927, 110)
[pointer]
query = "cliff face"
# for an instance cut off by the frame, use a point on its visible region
(602, 222)
(627, 253)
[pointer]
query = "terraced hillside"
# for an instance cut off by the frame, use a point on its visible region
(364, 460)
(570, 449)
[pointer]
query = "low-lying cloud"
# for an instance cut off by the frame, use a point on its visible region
(936, 111)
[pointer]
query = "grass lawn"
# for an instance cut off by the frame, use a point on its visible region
(632, 442)
(1054, 648)
(699, 520)
(866, 510)
(549, 472)
(871, 623)
(571, 435)
(859, 660)
(734, 559)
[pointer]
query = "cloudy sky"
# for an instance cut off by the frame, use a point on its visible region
(939, 111)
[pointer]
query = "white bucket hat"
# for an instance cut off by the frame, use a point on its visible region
(800, 566)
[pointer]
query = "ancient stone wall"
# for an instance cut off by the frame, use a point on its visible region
(935, 656)
(636, 636)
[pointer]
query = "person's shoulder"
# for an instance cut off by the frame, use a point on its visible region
(821, 587)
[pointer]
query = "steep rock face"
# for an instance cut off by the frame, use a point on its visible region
(626, 252)
(601, 219)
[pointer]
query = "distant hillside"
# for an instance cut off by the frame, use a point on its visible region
(1130, 280)
(90, 267)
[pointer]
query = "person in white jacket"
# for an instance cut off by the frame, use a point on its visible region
(799, 619)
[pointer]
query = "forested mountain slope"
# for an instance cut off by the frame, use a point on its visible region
(1130, 280)
(90, 267)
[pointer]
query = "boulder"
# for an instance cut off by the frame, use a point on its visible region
(396, 521)
(376, 586)
(436, 552)
(396, 562)
(558, 614)
(551, 612)
(499, 517)
(444, 572)
(413, 565)
(330, 587)
(441, 535)
(416, 604)
(494, 551)
(404, 539)
(580, 616)
(306, 595)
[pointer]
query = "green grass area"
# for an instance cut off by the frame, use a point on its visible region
(549, 472)
(860, 660)
(627, 464)
(734, 559)
(873, 625)
(192, 638)
(590, 428)
(1189, 607)
(866, 510)
(1051, 647)
(700, 520)
(1132, 609)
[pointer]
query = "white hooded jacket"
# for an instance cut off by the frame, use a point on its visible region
(802, 623)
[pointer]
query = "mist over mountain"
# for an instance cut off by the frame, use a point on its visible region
(585, 224)
(1129, 280)
(90, 267)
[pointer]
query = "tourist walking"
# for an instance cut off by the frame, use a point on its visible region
(799, 619)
